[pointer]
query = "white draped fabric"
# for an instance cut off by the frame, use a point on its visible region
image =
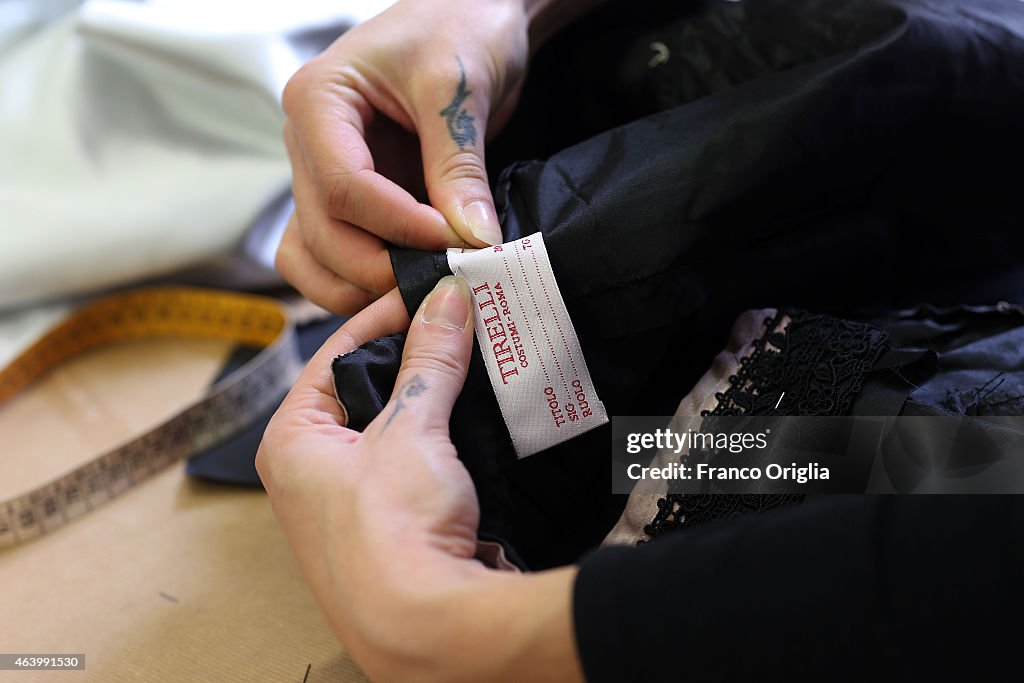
(140, 138)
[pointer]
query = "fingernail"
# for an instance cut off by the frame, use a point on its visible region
(448, 305)
(482, 222)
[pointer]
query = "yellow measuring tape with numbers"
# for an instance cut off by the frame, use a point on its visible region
(229, 406)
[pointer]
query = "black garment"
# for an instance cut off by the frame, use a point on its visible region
(830, 154)
(865, 588)
(843, 587)
(848, 154)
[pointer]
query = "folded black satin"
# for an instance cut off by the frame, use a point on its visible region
(417, 272)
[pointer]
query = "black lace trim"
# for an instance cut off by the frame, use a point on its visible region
(816, 365)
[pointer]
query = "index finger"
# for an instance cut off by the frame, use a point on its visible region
(331, 136)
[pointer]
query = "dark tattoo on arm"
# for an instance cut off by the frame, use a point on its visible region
(460, 123)
(411, 389)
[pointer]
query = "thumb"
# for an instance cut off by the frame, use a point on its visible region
(452, 140)
(435, 361)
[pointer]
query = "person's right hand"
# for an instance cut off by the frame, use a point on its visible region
(395, 111)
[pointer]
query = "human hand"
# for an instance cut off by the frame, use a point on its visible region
(384, 523)
(394, 112)
(359, 508)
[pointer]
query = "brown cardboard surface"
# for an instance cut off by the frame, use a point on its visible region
(176, 580)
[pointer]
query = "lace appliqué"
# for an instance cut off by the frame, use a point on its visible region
(816, 365)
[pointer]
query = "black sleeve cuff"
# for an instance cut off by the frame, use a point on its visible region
(844, 588)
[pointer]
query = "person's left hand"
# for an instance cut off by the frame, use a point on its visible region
(359, 508)
(384, 523)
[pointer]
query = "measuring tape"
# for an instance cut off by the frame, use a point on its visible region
(230, 405)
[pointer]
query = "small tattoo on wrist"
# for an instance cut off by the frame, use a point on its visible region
(460, 124)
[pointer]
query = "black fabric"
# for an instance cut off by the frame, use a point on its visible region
(893, 378)
(829, 154)
(980, 367)
(829, 184)
(531, 505)
(598, 74)
(418, 272)
(365, 377)
(886, 588)
(856, 588)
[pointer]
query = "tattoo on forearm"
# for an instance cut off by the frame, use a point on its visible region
(460, 123)
(411, 389)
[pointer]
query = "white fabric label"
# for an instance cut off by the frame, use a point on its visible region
(529, 345)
